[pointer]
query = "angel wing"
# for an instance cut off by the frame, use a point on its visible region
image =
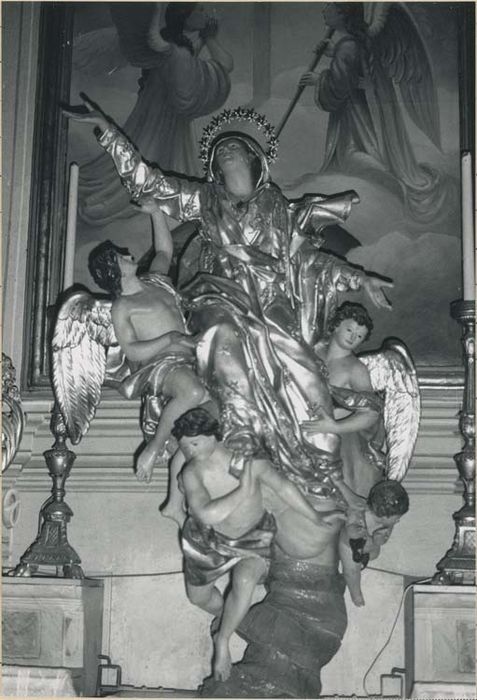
(107, 49)
(392, 371)
(396, 45)
(98, 52)
(83, 332)
(133, 21)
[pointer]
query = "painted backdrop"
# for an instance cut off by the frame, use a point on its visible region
(356, 128)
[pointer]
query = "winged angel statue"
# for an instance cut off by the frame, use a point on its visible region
(379, 64)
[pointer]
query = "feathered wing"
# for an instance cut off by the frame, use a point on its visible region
(97, 52)
(82, 334)
(397, 46)
(392, 371)
(133, 22)
(110, 48)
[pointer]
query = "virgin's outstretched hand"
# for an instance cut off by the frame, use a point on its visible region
(373, 286)
(93, 115)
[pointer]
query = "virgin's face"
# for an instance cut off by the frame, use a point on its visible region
(230, 153)
(349, 334)
(197, 19)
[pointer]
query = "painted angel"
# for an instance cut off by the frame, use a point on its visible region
(138, 340)
(379, 65)
(177, 85)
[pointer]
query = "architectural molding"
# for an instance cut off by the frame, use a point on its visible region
(104, 461)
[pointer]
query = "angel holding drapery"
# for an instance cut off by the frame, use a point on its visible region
(379, 64)
(376, 416)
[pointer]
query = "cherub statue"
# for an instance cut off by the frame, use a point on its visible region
(376, 398)
(368, 529)
(228, 527)
(145, 319)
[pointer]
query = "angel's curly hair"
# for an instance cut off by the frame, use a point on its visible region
(195, 422)
(175, 16)
(387, 498)
(352, 310)
(104, 267)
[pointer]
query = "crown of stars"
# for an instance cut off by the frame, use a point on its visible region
(239, 114)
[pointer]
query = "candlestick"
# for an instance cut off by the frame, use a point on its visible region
(69, 267)
(468, 244)
(458, 564)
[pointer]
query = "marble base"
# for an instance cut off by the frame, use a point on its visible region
(32, 681)
(53, 622)
(438, 691)
(440, 641)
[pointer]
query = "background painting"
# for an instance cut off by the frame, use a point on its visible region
(272, 45)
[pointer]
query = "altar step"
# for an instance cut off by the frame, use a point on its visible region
(132, 692)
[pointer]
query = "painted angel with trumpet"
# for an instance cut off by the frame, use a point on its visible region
(255, 308)
(379, 69)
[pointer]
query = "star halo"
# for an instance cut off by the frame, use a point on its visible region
(239, 114)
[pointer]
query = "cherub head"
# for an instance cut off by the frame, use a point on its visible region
(105, 264)
(388, 501)
(350, 325)
(197, 433)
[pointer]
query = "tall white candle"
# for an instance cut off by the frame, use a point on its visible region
(468, 238)
(69, 267)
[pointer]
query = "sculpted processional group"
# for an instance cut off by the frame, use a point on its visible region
(287, 449)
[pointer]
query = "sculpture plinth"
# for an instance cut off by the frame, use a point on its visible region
(458, 564)
(51, 546)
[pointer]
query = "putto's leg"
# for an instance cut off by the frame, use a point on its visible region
(246, 575)
(207, 597)
(185, 392)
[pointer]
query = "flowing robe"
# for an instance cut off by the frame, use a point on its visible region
(361, 455)
(374, 145)
(291, 634)
(265, 375)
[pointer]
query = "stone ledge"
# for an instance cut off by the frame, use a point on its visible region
(104, 459)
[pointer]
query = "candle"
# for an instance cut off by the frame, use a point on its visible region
(468, 244)
(71, 227)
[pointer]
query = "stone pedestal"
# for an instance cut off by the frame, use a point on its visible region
(440, 642)
(53, 623)
(39, 681)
